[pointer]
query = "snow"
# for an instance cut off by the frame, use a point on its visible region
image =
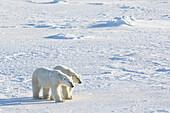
(120, 47)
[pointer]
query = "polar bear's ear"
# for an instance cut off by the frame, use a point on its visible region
(79, 76)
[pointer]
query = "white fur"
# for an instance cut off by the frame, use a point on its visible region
(47, 78)
(67, 91)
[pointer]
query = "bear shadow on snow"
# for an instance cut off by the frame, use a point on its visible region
(23, 101)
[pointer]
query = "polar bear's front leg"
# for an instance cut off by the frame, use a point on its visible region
(70, 93)
(56, 93)
(65, 92)
(45, 93)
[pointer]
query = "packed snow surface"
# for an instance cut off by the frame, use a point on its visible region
(120, 47)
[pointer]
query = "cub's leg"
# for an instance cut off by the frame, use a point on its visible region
(65, 92)
(70, 93)
(45, 93)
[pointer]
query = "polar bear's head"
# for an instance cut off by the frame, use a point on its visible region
(76, 77)
(65, 80)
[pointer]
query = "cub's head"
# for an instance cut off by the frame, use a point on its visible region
(65, 80)
(76, 77)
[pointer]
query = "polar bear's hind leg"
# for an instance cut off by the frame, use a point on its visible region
(45, 93)
(35, 88)
(36, 91)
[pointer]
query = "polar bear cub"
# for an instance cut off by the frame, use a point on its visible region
(48, 78)
(67, 91)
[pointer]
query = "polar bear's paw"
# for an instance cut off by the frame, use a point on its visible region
(59, 100)
(51, 98)
(37, 98)
(45, 97)
(69, 98)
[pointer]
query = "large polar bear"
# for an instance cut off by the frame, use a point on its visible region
(49, 78)
(67, 91)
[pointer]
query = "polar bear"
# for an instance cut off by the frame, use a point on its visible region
(49, 78)
(67, 91)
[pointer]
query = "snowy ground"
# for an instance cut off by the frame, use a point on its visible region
(120, 47)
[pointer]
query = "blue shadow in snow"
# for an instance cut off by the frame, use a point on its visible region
(126, 70)
(123, 69)
(162, 70)
(95, 3)
(58, 36)
(53, 2)
(40, 26)
(43, 26)
(23, 101)
(127, 7)
(117, 58)
(106, 73)
(118, 21)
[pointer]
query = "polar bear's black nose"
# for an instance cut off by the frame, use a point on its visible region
(80, 82)
(72, 86)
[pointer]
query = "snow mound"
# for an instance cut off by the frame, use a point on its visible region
(116, 22)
